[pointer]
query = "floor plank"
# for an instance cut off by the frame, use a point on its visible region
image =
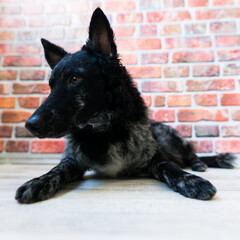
(119, 209)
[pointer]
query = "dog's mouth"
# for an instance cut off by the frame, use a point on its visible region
(51, 135)
(37, 131)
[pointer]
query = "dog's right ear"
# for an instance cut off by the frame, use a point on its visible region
(53, 53)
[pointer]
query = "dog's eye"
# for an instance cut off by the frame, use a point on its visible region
(75, 79)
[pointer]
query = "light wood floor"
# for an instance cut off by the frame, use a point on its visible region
(119, 209)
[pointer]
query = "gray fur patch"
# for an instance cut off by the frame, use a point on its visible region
(123, 158)
(130, 157)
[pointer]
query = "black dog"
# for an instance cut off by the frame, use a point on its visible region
(94, 102)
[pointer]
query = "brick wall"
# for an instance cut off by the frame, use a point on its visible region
(183, 55)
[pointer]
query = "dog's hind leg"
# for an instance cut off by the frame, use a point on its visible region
(180, 181)
(47, 185)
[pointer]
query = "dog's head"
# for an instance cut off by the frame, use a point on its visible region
(78, 82)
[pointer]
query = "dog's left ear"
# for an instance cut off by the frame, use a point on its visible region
(53, 53)
(101, 34)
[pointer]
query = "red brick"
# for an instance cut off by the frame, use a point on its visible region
(173, 3)
(235, 114)
(32, 9)
(5, 131)
(27, 35)
(154, 58)
(20, 48)
(207, 14)
(29, 74)
(48, 146)
(206, 99)
(138, 44)
(192, 42)
(20, 88)
(179, 100)
(12, 22)
(22, 132)
(5, 48)
(129, 18)
(7, 102)
(170, 29)
(230, 99)
(11, 10)
(206, 70)
(199, 114)
(164, 16)
(231, 146)
(231, 131)
(22, 61)
(184, 130)
(202, 146)
(60, 9)
(231, 69)
(223, 27)
(148, 30)
(128, 59)
(79, 7)
(28, 102)
(197, 28)
(147, 100)
(4, 88)
(51, 20)
(222, 2)
(145, 72)
(17, 146)
(198, 3)
(164, 115)
(193, 56)
(8, 74)
(7, 36)
(227, 41)
(27, 48)
(159, 101)
(1, 145)
(210, 84)
(228, 55)
(119, 6)
(176, 71)
(15, 116)
(207, 131)
(162, 86)
(125, 31)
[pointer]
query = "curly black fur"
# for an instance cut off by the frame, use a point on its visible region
(94, 103)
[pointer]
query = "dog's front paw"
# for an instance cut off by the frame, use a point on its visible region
(195, 187)
(37, 189)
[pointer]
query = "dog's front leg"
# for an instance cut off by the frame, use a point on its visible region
(47, 185)
(180, 181)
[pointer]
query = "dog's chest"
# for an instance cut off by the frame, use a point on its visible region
(128, 158)
(116, 161)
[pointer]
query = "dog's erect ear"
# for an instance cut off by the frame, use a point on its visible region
(53, 53)
(101, 34)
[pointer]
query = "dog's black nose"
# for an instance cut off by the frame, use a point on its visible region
(33, 124)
